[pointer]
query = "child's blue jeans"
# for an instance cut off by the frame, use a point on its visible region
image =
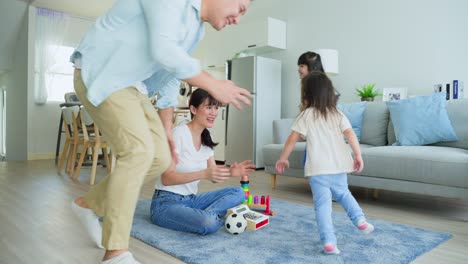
(324, 188)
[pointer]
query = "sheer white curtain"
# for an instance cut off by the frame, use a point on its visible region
(51, 27)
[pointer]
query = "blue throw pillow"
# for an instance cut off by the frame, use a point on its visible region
(421, 120)
(355, 113)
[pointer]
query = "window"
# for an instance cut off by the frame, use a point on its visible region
(59, 78)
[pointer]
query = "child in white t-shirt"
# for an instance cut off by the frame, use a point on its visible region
(328, 158)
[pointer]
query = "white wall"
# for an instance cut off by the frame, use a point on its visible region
(414, 43)
(43, 120)
(16, 96)
(11, 15)
(392, 43)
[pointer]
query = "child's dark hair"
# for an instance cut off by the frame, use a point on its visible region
(312, 60)
(317, 91)
(197, 98)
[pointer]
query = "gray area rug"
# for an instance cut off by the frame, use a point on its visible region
(291, 237)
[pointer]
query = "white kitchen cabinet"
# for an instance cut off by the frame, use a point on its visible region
(215, 48)
(181, 117)
(262, 36)
(252, 37)
(218, 133)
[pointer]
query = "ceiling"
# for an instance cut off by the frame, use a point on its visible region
(85, 8)
(14, 12)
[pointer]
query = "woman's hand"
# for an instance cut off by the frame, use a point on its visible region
(242, 169)
(281, 165)
(217, 174)
(221, 173)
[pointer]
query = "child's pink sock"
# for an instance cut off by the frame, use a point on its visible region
(365, 227)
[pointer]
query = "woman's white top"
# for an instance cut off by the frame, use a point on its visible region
(190, 160)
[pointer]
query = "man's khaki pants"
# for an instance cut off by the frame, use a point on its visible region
(136, 135)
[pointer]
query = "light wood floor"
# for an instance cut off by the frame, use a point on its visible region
(37, 225)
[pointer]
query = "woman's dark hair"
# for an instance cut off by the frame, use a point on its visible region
(312, 60)
(197, 98)
(317, 91)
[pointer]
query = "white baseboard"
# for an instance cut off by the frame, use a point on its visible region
(41, 156)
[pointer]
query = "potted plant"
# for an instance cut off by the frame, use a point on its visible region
(367, 92)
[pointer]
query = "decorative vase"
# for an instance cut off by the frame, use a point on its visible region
(367, 99)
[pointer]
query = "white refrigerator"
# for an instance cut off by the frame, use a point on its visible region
(249, 129)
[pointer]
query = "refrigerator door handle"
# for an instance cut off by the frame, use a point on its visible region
(226, 130)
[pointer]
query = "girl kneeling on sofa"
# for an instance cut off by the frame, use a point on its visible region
(328, 159)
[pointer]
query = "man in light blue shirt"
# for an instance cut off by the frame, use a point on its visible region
(144, 44)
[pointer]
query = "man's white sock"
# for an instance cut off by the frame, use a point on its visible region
(90, 221)
(124, 258)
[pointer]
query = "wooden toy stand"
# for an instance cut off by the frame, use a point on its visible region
(253, 202)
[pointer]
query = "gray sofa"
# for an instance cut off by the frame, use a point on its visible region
(440, 169)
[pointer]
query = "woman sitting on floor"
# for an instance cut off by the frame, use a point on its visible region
(176, 204)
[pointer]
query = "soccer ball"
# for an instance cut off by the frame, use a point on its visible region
(235, 224)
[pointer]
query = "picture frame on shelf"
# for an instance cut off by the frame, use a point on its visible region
(394, 94)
